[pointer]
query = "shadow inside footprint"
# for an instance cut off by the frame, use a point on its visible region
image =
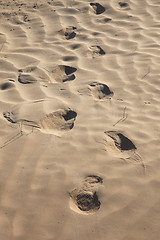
(87, 202)
(101, 51)
(26, 79)
(94, 179)
(122, 147)
(95, 51)
(69, 115)
(100, 90)
(52, 123)
(70, 78)
(63, 73)
(69, 70)
(97, 8)
(125, 143)
(84, 198)
(9, 116)
(67, 33)
(121, 142)
(123, 4)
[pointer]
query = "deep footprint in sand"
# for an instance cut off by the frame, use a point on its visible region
(52, 123)
(95, 51)
(67, 33)
(122, 147)
(121, 142)
(84, 198)
(61, 120)
(62, 73)
(100, 91)
(97, 8)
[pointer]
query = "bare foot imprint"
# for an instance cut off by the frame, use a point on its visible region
(84, 199)
(52, 123)
(67, 33)
(95, 51)
(63, 73)
(97, 8)
(100, 91)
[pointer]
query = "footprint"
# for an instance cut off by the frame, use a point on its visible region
(9, 116)
(63, 73)
(84, 199)
(95, 51)
(67, 33)
(97, 8)
(61, 120)
(52, 123)
(26, 79)
(12, 118)
(100, 91)
(120, 141)
(123, 4)
(120, 146)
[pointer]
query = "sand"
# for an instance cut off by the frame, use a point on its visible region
(79, 120)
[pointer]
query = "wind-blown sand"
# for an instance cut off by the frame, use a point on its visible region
(79, 120)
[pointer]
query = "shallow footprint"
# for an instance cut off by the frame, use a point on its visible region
(26, 79)
(97, 8)
(63, 73)
(100, 91)
(67, 33)
(95, 51)
(84, 199)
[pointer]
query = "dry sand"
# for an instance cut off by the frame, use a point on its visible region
(79, 120)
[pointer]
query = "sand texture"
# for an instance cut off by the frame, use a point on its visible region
(79, 120)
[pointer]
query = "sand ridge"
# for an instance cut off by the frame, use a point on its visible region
(79, 87)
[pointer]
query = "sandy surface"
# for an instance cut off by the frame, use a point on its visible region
(79, 120)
